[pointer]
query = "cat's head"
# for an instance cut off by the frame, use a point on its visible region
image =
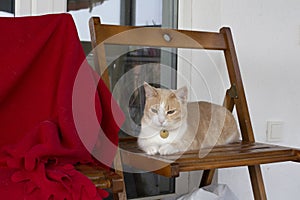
(165, 108)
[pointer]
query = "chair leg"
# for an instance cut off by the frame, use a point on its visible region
(207, 177)
(115, 196)
(119, 170)
(119, 196)
(257, 182)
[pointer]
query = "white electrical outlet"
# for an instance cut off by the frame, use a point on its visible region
(299, 34)
(274, 131)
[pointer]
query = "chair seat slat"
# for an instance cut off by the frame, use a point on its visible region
(236, 154)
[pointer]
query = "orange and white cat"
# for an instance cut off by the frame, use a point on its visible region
(170, 124)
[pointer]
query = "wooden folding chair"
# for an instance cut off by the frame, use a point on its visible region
(245, 153)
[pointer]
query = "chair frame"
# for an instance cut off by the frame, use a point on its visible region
(246, 153)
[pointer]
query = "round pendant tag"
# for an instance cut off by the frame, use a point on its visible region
(164, 134)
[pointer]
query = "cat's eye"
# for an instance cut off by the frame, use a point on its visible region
(170, 112)
(153, 110)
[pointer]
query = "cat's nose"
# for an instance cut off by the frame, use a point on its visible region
(161, 121)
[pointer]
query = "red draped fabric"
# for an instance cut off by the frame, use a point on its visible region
(53, 109)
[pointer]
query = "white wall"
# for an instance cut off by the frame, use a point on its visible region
(202, 69)
(267, 39)
(109, 12)
(148, 12)
(38, 7)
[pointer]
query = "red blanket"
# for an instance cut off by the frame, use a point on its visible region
(52, 111)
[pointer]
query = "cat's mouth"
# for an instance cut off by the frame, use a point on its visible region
(160, 127)
(161, 124)
(168, 127)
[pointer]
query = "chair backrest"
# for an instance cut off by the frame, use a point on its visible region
(160, 37)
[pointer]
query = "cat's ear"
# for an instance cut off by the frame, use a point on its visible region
(149, 90)
(182, 93)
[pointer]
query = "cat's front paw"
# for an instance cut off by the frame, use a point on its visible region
(168, 150)
(151, 150)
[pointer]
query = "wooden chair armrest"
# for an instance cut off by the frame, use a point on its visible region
(101, 177)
